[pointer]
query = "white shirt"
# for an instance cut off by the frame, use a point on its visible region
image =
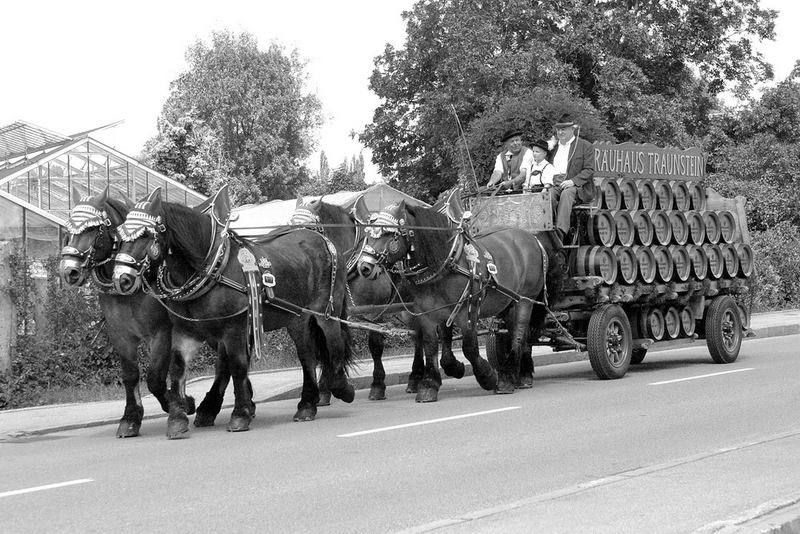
(545, 175)
(561, 160)
(527, 160)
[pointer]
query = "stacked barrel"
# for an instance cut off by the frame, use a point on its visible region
(659, 231)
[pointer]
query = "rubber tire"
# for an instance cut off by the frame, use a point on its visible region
(722, 309)
(637, 356)
(597, 343)
(495, 346)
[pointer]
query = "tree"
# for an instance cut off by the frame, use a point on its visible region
(756, 153)
(188, 152)
(255, 104)
(633, 62)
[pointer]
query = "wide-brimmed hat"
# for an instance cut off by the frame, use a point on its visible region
(509, 134)
(541, 143)
(564, 121)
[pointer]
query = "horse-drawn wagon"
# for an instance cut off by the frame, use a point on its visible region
(656, 258)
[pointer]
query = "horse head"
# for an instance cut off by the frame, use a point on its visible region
(387, 240)
(91, 242)
(142, 243)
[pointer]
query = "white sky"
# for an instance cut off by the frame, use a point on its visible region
(74, 65)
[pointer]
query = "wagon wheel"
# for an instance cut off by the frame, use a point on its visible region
(723, 328)
(609, 342)
(637, 355)
(495, 348)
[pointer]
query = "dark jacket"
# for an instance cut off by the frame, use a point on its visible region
(580, 168)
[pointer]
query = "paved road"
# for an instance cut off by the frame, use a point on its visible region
(666, 449)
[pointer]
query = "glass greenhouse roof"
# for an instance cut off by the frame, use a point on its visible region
(42, 169)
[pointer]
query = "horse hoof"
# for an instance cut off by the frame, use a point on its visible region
(324, 399)
(305, 414)
(190, 405)
(377, 392)
(413, 385)
(202, 419)
(427, 395)
(346, 393)
(525, 382)
(177, 427)
(128, 429)
(239, 423)
(487, 381)
(453, 368)
(504, 385)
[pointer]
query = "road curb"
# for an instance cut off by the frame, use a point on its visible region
(392, 378)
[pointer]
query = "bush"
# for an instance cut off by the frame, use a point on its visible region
(775, 285)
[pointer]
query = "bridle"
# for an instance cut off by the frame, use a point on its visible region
(137, 224)
(85, 217)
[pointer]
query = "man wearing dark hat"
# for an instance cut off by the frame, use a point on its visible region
(573, 162)
(512, 163)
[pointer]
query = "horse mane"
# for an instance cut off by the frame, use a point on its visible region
(333, 214)
(430, 246)
(343, 237)
(188, 232)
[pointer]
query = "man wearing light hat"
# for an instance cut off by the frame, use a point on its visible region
(573, 162)
(512, 163)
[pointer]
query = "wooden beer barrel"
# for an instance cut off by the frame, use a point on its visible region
(629, 193)
(664, 195)
(647, 263)
(745, 254)
(672, 322)
(727, 226)
(662, 228)
(697, 228)
(730, 259)
(665, 265)
(609, 191)
(680, 228)
(687, 321)
(644, 228)
(699, 261)
(602, 230)
(596, 261)
(647, 194)
(680, 194)
(683, 262)
(711, 220)
(626, 230)
(698, 195)
(627, 265)
(651, 324)
(716, 264)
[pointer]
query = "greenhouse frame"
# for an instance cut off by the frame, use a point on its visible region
(40, 170)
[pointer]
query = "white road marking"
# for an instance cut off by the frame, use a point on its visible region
(428, 422)
(700, 376)
(47, 487)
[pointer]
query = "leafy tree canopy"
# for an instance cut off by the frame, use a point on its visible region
(255, 105)
(647, 70)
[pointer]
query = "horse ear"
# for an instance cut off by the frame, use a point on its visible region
(154, 194)
(76, 195)
(360, 210)
(102, 197)
(222, 204)
(299, 202)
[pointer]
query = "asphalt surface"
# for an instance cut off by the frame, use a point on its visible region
(678, 445)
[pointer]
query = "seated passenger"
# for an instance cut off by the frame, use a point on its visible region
(541, 173)
(512, 164)
(573, 162)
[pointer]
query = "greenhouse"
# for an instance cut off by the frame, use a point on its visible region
(39, 170)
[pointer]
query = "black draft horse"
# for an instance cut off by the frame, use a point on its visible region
(342, 227)
(454, 276)
(130, 319)
(197, 268)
